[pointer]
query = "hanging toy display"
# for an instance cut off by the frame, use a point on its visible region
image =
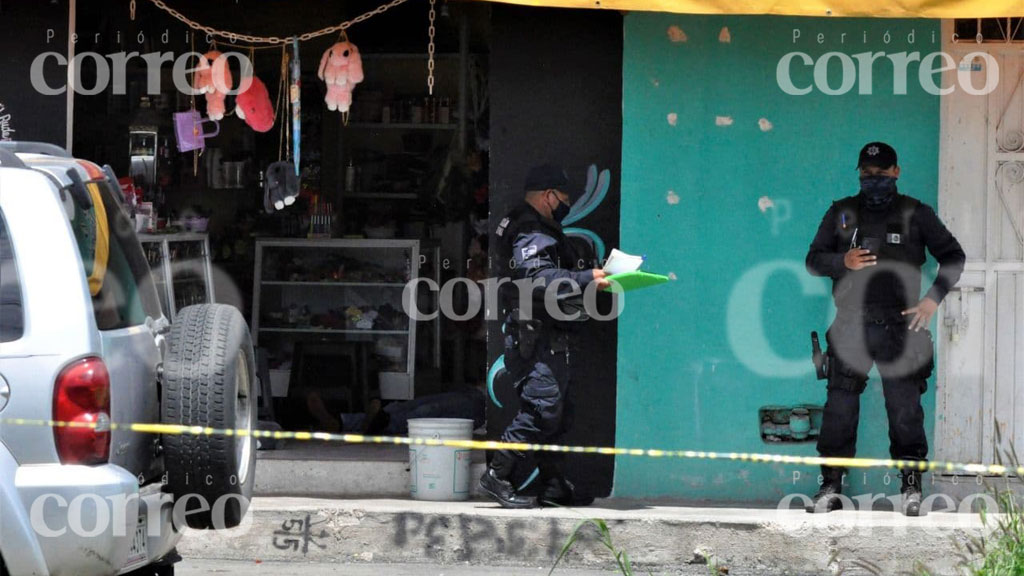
(282, 181)
(281, 188)
(253, 105)
(213, 79)
(341, 68)
(295, 96)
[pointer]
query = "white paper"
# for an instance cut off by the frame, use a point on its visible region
(619, 262)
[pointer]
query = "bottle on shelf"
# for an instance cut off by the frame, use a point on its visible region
(417, 113)
(350, 177)
(320, 219)
(444, 114)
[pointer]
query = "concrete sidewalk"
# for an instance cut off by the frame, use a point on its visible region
(248, 568)
(659, 538)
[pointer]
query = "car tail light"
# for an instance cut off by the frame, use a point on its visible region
(81, 409)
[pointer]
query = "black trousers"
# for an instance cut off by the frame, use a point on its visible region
(905, 360)
(545, 410)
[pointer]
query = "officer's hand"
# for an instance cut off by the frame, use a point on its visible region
(923, 313)
(858, 258)
(601, 277)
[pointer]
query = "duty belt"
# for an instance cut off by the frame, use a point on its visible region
(873, 315)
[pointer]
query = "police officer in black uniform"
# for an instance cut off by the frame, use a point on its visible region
(872, 245)
(533, 249)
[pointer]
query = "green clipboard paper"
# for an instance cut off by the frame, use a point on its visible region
(627, 281)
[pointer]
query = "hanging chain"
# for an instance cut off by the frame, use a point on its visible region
(277, 105)
(234, 37)
(430, 51)
(192, 96)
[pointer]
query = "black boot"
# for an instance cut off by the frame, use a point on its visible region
(495, 483)
(911, 492)
(827, 498)
(560, 492)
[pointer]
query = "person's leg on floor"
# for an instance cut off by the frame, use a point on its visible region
(908, 362)
(325, 421)
(556, 488)
(538, 419)
(849, 363)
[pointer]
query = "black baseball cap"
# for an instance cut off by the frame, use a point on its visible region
(545, 177)
(877, 154)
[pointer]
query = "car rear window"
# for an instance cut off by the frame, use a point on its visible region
(115, 266)
(12, 319)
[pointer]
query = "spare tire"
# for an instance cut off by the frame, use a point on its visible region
(209, 380)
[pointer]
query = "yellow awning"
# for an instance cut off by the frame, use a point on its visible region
(842, 8)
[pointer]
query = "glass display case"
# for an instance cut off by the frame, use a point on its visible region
(337, 298)
(180, 264)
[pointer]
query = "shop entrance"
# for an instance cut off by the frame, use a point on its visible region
(392, 190)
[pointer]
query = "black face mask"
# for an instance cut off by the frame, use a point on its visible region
(878, 191)
(560, 211)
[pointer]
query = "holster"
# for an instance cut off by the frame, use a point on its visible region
(821, 361)
(921, 355)
(839, 375)
(559, 341)
(526, 333)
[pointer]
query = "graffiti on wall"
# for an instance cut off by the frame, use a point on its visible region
(297, 534)
(472, 537)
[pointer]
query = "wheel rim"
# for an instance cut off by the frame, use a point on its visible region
(243, 418)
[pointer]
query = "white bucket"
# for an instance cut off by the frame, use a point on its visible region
(440, 472)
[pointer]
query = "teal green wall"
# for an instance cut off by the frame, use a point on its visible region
(699, 356)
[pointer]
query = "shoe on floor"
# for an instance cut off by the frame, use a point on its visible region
(827, 498)
(911, 492)
(502, 491)
(562, 493)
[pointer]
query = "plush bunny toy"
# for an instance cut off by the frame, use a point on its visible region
(341, 68)
(213, 78)
(253, 105)
(281, 188)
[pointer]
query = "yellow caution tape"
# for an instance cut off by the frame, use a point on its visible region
(179, 430)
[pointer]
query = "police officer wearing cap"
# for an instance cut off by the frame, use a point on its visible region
(532, 248)
(873, 245)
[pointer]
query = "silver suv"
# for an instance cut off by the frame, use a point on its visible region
(86, 351)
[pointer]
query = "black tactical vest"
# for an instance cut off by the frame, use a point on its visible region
(894, 284)
(523, 219)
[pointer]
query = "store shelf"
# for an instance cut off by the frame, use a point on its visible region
(385, 259)
(395, 126)
(333, 331)
(380, 196)
(338, 284)
(175, 277)
(174, 236)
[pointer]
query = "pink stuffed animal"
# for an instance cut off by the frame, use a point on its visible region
(213, 79)
(341, 68)
(253, 105)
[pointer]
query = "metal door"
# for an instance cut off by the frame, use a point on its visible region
(981, 199)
